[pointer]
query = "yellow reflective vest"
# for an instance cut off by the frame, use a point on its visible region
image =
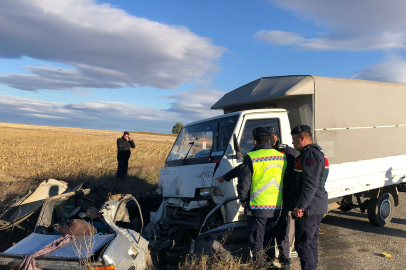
(269, 166)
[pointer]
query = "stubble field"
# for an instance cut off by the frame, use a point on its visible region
(30, 154)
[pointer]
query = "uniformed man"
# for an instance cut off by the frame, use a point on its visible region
(260, 187)
(309, 199)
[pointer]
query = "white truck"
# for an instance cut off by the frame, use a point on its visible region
(359, 124)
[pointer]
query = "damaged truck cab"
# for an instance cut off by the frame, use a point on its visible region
(203, 151)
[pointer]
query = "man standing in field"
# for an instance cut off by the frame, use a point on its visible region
(124, 145)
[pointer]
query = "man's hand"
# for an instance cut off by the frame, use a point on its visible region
(220, 179)
(129, 138)
(298, 212)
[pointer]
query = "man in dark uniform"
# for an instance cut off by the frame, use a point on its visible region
(308, 197)
(260, 185)
(124, 145)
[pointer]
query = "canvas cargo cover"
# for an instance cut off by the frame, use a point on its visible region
(351, 119)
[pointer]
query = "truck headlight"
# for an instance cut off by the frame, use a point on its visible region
(217, 191)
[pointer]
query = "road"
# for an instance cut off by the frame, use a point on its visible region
(349, 241)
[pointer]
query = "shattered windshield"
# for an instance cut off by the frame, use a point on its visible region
(203, 140)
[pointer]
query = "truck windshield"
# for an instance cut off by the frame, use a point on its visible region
(195, 144)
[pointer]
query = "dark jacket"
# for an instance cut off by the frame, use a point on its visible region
(124, 148)
(244, 186)
(291, 155)
(309, 170)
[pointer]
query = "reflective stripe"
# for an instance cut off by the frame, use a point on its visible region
(261, 159)
(265, 187)
(267, 207)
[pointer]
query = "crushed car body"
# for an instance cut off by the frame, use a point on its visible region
(117, 243)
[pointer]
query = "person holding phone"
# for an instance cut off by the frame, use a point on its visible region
(124, 145)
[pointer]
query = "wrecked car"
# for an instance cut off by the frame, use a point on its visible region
(117, 243)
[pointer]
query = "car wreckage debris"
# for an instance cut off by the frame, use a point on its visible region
(119, 225)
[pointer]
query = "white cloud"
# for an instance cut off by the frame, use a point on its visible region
(188, 106)
(106, 47)
(347, 25)
(392, 69)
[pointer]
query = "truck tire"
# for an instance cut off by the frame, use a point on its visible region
(380, 210)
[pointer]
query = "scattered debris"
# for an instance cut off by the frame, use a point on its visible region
(386, 255)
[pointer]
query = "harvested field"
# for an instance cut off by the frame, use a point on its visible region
(31, 154)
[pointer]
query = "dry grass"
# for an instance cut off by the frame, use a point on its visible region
(217, 261)
(30, 154)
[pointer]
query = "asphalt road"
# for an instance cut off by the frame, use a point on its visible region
(349, 241)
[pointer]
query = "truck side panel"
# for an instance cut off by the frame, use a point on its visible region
(359, 120)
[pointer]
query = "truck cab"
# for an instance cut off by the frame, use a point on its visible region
(203, 151)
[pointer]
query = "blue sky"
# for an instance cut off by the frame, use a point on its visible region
(145, 65)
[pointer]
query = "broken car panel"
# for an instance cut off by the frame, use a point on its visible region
(30, 203)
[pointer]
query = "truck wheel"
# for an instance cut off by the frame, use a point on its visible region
(380, 211)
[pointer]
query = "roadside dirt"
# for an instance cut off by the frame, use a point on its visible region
(349, 241)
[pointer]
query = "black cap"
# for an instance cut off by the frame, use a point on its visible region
(271, 130)
(260, 131)
(300, 128)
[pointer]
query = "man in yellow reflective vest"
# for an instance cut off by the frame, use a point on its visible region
(260, 185)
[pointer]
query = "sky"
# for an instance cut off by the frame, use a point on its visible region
(144, 65)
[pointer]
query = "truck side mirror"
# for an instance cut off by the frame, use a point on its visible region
(237, 147)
